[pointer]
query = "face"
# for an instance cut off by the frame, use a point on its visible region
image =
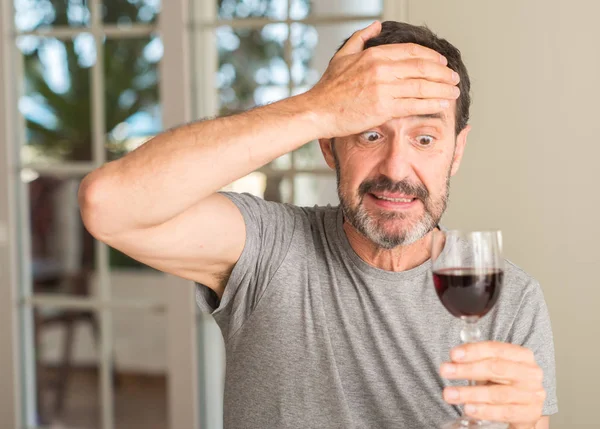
(393, 180)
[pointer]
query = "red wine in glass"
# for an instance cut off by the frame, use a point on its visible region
(468, 292)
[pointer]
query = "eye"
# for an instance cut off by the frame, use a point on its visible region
(425, 141)
(371, 136)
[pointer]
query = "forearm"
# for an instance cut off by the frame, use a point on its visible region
(180, 167)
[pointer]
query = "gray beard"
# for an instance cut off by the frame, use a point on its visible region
(372, 226)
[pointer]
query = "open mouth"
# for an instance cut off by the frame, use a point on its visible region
(395, 199)
(392, 201)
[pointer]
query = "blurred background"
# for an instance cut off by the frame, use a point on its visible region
(90, 338)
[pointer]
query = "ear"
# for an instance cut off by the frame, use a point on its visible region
(461, 142)
(327, 149)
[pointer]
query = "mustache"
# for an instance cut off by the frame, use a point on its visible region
(384, 183)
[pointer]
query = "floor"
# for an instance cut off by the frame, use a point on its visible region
(140, 402)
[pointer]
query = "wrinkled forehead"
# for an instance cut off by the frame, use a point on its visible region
(445, 119)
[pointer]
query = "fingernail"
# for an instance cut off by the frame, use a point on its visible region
(451, 394)
(470, 409)
(448, 369)
(445, 104)
(458, 354)
(455, 77)
(443, 60)
(456, 91)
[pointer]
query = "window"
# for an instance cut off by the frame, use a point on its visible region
(87, 93)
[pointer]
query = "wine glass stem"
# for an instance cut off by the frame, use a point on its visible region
(470, 333)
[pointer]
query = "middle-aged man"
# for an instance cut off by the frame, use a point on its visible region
(329, 316)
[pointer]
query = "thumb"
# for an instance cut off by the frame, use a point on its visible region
(356, 43)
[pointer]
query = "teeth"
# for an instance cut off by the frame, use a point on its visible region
(396, 200)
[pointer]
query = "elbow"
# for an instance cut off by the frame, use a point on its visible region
(93, 205)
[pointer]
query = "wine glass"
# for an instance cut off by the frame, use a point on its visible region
(468, 270)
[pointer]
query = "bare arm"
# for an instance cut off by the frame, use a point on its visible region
(147, 203)
(180, 167)
(159, 203)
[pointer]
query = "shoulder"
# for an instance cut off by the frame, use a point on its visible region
(255, 208)
(518, 282)
(520, 291)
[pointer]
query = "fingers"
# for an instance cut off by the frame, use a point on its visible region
(518, 395)
(495, 370)
(420, 88)
(393, 51)
(493, 395)
(492, 349)
(357, 41)
(404, 107)
(419, 68)
(504, 413)
(407, 51)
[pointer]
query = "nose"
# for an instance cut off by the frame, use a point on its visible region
(397, 163)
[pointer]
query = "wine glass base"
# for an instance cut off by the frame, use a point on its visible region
(474, 424)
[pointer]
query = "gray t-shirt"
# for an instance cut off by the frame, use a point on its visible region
(317, 338)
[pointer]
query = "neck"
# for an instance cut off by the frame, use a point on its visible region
(401, 258)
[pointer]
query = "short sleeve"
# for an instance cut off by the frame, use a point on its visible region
(269, 231)
(532, 329)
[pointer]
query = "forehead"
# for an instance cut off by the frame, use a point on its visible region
(444, 119)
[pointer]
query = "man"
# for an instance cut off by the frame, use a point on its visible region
(329, 317)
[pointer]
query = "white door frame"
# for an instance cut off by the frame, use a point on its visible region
(176, 96)
(10, 393)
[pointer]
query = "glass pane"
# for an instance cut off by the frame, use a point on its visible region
(310, 189)
(272, 188)
(129, 12)
(34, 14)
(66, 346)
(305, 39)
(310, 156)
(300, 9)
(240, 9)
(278, 189)
(284, 162)
(252, 69)
(56, 98)
(133, 111)
(140, 354)
(62, 251)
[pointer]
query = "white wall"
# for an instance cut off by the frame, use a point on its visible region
(531, 166)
